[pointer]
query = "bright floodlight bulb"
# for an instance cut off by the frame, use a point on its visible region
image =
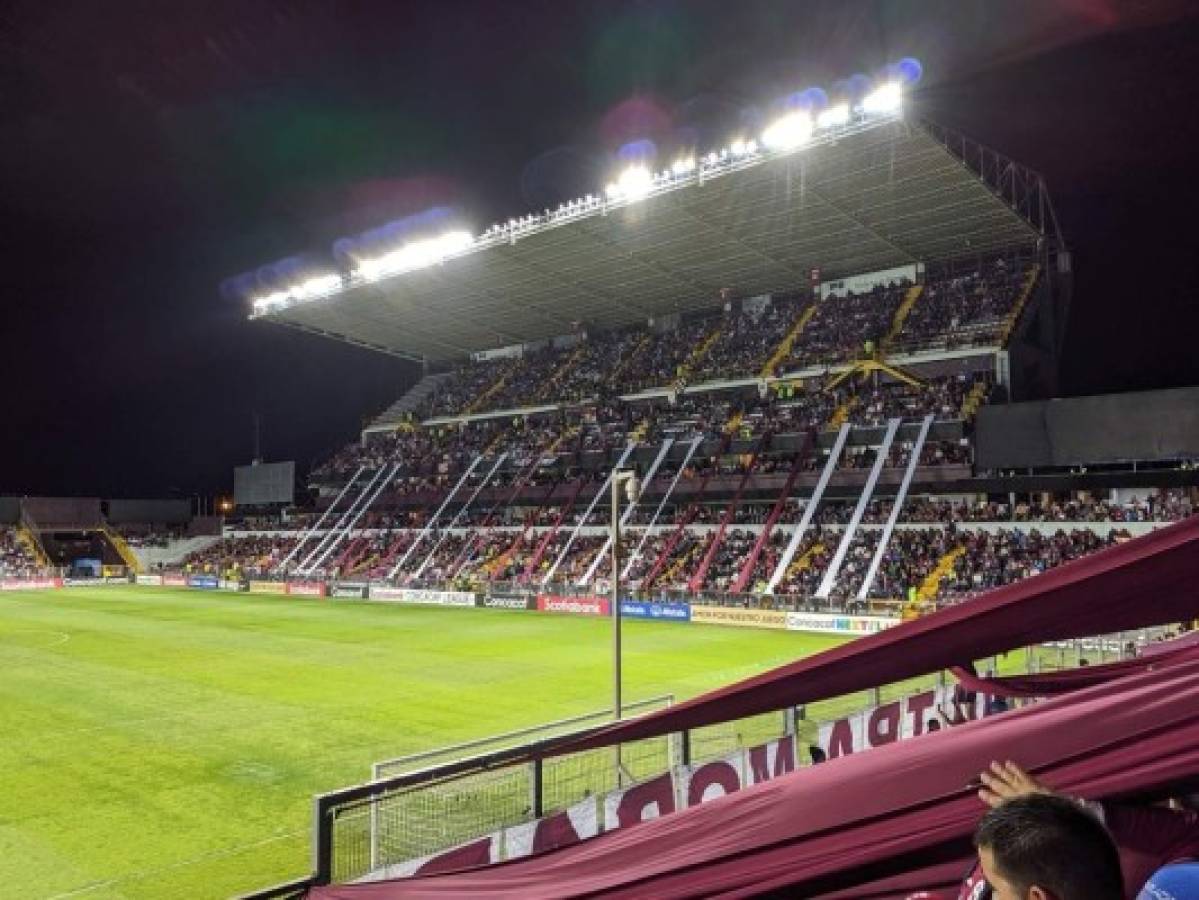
(791, 131)
(834, 116)
(887, 98)
(635, 182)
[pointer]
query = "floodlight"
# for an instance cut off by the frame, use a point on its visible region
(683, 166)
(791, 131)
(739, 148)
(633, 184)
(885, 99)
(833, 116)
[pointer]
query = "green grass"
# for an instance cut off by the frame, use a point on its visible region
(166, 743)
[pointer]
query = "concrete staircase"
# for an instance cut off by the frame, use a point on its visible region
(174, 553)
(928, 589)
(1009, 324)
(399, 412)
(783, 350)
(901, 315)
(696, 357)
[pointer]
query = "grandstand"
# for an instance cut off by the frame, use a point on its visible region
(792, 345)
(815, 353)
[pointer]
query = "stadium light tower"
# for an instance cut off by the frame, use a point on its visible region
(622, 479)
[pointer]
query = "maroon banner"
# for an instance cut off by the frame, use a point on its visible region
(579, 606)
(174, 580)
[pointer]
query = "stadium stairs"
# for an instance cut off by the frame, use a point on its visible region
(32, 545)
(480, 402)
(805, 561)
(404, 408)
(548, 538)
(696, 357)
(973, 400)
(548, 391)
(672, 542)
(927, 592)
(642, 346)
(700, 575)
(783, 350)
(121, 546)
(495, 566)
(901, 315)
(776, 513)
(1017, 310)
(175, 552)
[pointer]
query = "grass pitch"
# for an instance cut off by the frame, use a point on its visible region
(166, 743)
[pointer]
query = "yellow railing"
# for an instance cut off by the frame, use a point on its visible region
(695, 357)
(33, 545)
(669, 575)
(1013, 317)
(841, 414)
(974, 399)
(901, 314)
(123, 549)
(783, 350)
(614, 376)
(805, 559)
(932, 582)
(547, 391)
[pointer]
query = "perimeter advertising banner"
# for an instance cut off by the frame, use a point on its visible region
(416, 595)
(151, 580)
(509, 601)
(349, 590)
(738, 616)
(670, 612)
(833, 623)
(579, 606)
(268, 587)
(174, 580)
(306, 588)
(203, 582)
(29, 584)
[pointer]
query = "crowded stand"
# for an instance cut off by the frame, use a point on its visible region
(16, 561)
(964, 309)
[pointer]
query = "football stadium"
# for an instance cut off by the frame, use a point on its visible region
(731, 524)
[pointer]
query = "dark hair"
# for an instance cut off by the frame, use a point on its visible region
(1053, 843)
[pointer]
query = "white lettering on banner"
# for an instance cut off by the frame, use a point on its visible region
(896, 721)
(155, 580)
(431, 598)
(575, 824)
(833, 623)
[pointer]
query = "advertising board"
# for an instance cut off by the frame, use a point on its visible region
(268, 587)
(509, 601)
(738, 616)
(835, 623)
(417, 595)
(29, 584)
(306, 588)
(641, 609)
(150, 580)
(203, 582)
(579, 606)
(349, 590)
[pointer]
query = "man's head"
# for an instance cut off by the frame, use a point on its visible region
(1045, 847)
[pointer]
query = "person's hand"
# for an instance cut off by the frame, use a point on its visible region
(1006, 781)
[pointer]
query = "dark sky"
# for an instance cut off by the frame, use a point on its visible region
(149, 150)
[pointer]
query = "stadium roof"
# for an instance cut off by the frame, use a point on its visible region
(890, 194)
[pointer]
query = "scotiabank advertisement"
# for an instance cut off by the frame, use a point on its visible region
(579, 606)
(174, 580)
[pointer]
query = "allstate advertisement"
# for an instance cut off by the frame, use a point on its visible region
(641, 609)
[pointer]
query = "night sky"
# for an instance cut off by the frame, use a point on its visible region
(150, 150)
